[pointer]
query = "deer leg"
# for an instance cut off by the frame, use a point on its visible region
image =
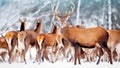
(10, 57)
(99, 58)
(38, 55)
(46, 55)
(76, 55)
(92, 55)
(24, 54)
(79, 55)
(41, 55)
(109, 54)
(72, 57)
(3, 56)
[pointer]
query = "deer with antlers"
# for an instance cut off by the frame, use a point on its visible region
(77, 36)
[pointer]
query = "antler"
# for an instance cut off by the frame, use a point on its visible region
(54, 11)
(38, 20)
(72, 9)
(20, 20)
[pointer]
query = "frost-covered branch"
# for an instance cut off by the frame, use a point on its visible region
(45, 4)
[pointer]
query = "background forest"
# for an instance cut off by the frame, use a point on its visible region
(87, 13)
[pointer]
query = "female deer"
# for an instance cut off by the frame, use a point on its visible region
(11, 38)
(27, 39)
(3, 48)
(50, 44)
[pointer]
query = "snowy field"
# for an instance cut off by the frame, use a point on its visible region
(60, 65)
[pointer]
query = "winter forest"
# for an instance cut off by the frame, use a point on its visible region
(86, 13)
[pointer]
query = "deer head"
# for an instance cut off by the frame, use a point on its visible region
(38, 22)
(54, 28)
(63, 19)
(25, 19)
(38, 25)
(22, 26)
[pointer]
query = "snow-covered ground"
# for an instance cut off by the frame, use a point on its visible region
(60, 65)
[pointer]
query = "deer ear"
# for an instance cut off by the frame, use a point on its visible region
(36, 20)
(40, 20)
(25, 19)
(20, 20)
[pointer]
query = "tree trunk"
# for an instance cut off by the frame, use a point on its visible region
(78, 14)
(109, 15)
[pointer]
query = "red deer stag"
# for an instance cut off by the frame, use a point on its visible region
(11, 38)
(77, 36)
(27, 39)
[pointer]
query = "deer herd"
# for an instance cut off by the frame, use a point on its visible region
(64, 42)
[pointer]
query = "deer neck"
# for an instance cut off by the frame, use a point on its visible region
(38, 28)
(54, 30)
(22, 27)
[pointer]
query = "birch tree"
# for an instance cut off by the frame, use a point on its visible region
(103, 13)
(78, 14)
(109, 15)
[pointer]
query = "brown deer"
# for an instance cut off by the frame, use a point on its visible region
(67, 49)
(21, 38)
(11, 38)
(114, 42)
(27, 39)
(84, 38)
(50, 43)
(3, 48)
(113, 45)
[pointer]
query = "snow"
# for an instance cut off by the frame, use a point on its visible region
(57, 64)
(60, 65)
